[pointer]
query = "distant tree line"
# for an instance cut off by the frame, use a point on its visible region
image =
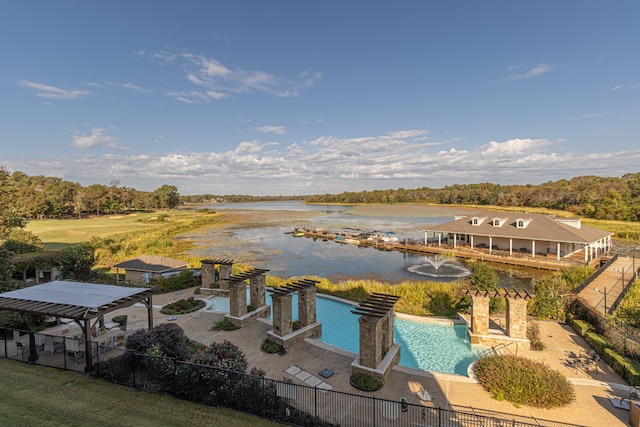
(26, 197)
(586, 196)
(37, 197)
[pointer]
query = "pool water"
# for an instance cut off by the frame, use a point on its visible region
(428, 346)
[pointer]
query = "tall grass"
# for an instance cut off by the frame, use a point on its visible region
(417, 298)
(160, 240)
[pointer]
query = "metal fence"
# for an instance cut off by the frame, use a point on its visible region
(280, 401)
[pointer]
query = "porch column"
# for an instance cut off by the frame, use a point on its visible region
(533, 249)
(455, 240)
(472, 242)
(490, 244)
(586, 258)
(558, 251)
(510, 246)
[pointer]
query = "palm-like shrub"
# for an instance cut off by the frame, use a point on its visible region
(524, 382)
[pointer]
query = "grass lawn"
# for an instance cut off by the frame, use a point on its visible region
(59, 233)
(39, 396)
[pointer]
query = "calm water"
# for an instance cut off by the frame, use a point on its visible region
(425, 346)
(285, 256)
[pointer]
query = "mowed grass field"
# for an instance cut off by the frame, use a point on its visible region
(59, 233)
(40, 396)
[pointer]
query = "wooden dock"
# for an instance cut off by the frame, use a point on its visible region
(539, 261)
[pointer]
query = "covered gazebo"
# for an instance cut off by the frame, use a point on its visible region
(84, 303)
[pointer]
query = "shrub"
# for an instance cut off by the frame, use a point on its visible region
(627, 368)
(270, 346)
(169, 336)
(183, 306)
(186, 279)
(365, 382)
(524, 382)
(580, 326)
(225, 355)
(121, 320)
(297, 325)
(533, 333)
(224, 325)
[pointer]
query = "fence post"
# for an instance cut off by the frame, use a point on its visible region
(175, 376)
(439, 416)
(315, 404)
(134, 368)
(374, 411)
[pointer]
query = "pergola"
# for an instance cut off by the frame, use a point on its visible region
(84, 303)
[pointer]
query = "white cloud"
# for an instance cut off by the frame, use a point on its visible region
(332, 164)
(533, 72)
(278, 130)
(215, 80)
(48, 91)
(97, 138)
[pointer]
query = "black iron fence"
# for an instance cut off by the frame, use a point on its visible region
(280, 401)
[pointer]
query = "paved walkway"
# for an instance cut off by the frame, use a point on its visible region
(305, 361)
(607, 287)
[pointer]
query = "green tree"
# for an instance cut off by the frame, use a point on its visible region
(77, 262)
(166, 197)
(483, 276)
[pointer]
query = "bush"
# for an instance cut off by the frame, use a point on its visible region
(297, 325)
(183, 306)
(627, 368)
(580, 326)
(533, 333)
(224, 325)
(186, 279)
(169, 336)
(121, 320)
(270, 346)
(524, 382)
(365, 382)
(225, 355)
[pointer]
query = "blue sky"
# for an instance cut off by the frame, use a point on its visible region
(293, 97)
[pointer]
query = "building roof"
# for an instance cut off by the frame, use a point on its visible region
(74, 300)
(538, 227)
(152, 264)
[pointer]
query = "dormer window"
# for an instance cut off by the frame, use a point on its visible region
(522, 223)
(498, 222)
(477, 220)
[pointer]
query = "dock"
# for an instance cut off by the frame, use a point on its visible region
(516, 258)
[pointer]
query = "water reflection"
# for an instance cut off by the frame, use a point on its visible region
(270, 247)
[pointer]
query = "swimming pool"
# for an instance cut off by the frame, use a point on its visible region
(437, 347)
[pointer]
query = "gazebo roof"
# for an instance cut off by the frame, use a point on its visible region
(74, 300)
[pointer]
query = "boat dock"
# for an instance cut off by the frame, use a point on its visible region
(522, 259)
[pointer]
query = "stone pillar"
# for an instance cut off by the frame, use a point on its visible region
(387, 331)
(307, 305)
(257, 291)
(370, 341)
(517, 318)
(237, 299)
(225, 273)
(480, 315)
(208, 274)
(282, 314)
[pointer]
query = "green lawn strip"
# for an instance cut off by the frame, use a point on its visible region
(37, 395)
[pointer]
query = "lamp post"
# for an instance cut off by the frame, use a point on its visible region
(605, 299)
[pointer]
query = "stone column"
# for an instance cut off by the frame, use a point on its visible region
(517, 318)
(370, 341)
(282, 314)
(225, 273)
(307, 305)
(387, 331)
(208, 274)
(237, 299)
(257, 291)
(480, 315)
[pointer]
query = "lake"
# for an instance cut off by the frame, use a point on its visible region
(266, 244)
